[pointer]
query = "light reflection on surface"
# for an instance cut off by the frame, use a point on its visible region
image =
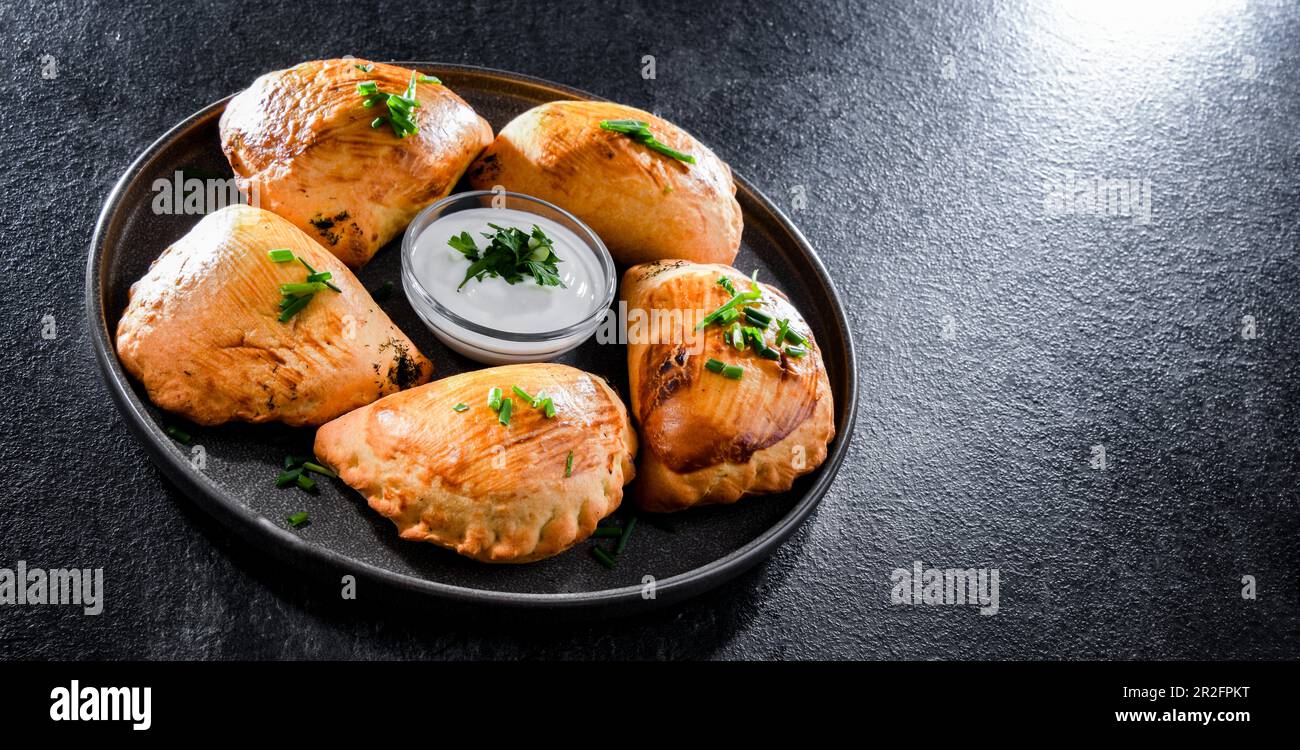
(1137, 22)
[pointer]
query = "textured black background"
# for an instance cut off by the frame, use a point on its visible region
(922, 137)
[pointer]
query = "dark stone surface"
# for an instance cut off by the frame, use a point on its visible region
(923, 139)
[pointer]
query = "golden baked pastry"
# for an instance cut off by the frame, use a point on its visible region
(502, 493)
(301, 142)
(707, 438)
(201, 329)
(644, 205)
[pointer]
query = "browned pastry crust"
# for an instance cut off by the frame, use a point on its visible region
(201, 330)
(491, 492)
(707, 438)
(300, 141)
(644, 205)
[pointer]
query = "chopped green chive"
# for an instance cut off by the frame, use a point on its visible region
(627, 534)
(761, 319)
(305, 287)
(318, 469)
(793, 337)
(607, 531)
(178, 434)
(296, 468)
(430, 79)
(494, 399)
(460, 407)
(737, 337)
(604, 558)
(726, 284)
(796, 351)
(782, 330)
(295, 296)
(736, 299)
(401, 107)
(298, 519)
(382, 292)
(280, 255)
(639, 131)
(287, 478)
(548, 407)
(293, 308)
(728, 316)
(503, 416)
(521, 393)
(363, 68)
(768, 352)
(722, 368)
(568, 465)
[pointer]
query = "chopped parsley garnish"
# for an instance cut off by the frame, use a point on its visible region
(639, 131)
(511, 254)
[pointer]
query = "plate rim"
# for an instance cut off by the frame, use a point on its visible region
(259, 531)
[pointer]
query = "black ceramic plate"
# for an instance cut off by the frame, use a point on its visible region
(685, 553)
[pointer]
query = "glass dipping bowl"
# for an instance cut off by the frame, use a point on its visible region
(484, 343)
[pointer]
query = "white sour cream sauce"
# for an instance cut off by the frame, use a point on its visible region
(522, 307)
